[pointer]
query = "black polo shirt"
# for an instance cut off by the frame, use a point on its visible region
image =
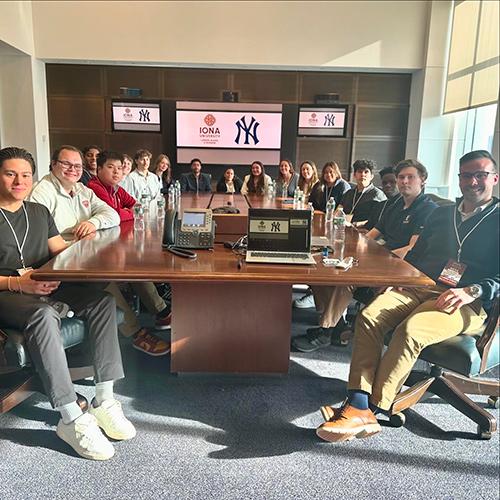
(399, 224)
(359, 204)
(377, 210)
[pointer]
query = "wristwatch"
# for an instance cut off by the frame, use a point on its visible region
(475, 291)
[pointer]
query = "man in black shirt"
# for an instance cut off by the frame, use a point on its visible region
(390, 189)
(357, 202)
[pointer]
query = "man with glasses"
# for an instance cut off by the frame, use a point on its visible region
(76, 209)
(458, 249)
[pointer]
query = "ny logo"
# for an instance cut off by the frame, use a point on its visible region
(144, 115)
(250, 130)
(329, 121)
(275, 227)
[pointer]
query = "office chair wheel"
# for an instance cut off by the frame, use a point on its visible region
(397, 419)
(494, 402)
(483, 433)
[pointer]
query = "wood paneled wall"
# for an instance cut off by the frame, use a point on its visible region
(79, 99)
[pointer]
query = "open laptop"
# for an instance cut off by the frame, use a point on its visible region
(279, 236)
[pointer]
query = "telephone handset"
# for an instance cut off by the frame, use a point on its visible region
(195, 229)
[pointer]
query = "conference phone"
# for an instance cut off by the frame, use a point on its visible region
(195, 228)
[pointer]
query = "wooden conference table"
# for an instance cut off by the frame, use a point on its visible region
(228, 316)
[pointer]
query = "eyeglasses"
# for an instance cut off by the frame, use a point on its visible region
(480, 175)
(66, 165)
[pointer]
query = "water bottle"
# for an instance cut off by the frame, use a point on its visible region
(171, 196)
(296, 196)
(339, 221)
(330, 209)
(145, 199)
(283, 190)
(311, 209)
(160, 207)
(139, 217)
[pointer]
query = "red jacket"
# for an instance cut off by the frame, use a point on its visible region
(116, 198)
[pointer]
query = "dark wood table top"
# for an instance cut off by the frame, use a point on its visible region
(120, 254)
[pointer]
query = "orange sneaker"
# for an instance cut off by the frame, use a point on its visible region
(348, 423)
(150, 344)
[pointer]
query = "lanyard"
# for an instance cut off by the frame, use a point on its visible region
(19, 246)
(328, 193)
(462, 241)
(354, 201)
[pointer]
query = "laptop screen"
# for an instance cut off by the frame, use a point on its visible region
(276, 230)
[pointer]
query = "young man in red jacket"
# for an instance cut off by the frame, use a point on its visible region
(105, 186)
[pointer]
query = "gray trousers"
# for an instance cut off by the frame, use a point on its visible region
(42, 329)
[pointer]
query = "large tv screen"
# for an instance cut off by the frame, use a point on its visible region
(323, 121)
(136, 116)
(228, 133)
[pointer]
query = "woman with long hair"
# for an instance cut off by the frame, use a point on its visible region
(331, 185)
(257, 181)
(286, 182)
(308, 177)
(229, 183)
(163, 170)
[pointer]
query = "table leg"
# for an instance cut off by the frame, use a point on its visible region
(231, 327)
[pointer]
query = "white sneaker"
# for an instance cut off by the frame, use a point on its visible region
(112, 421)
(85, 437)
(305, 302)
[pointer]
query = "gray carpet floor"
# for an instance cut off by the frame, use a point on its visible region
(235, 437)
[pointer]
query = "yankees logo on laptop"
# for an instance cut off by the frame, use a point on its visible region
(279, 236)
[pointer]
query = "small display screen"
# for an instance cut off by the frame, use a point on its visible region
(193, 219)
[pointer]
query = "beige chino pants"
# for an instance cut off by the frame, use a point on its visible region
(416, 323)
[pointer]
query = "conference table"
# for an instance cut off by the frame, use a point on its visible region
(228, 316)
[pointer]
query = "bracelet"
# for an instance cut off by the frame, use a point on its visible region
(19, 285)
(8, 284)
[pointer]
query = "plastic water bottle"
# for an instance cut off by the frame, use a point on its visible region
(330, 209)
(171, 196)
(160, 207)
(139, 224)
(145, 199)
(311, 208)
(62, 309)
(296, 196)
(339, 221)
(283, 190)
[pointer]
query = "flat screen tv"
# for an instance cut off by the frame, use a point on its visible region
(136, 116)
(228, 133)
(323, 121)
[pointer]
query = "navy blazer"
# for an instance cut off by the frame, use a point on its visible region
(189, 183)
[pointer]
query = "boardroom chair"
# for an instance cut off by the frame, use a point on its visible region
(455, 367)
(19, 380)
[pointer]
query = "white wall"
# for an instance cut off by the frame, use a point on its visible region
(16, 25)
(359, 35)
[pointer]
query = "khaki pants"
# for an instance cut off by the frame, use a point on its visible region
(150, 298)
(332, 301)
(416, 323)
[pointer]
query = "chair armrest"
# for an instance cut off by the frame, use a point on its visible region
(485, 341)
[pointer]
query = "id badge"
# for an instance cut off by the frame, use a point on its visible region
(452, 272)
(23, 270)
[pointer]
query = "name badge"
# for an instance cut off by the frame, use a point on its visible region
(24, 270)
(452, 272)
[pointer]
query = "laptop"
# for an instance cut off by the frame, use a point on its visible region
(279, 236)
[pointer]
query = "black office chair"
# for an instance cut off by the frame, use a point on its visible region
(456, 364)
(18, 379)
